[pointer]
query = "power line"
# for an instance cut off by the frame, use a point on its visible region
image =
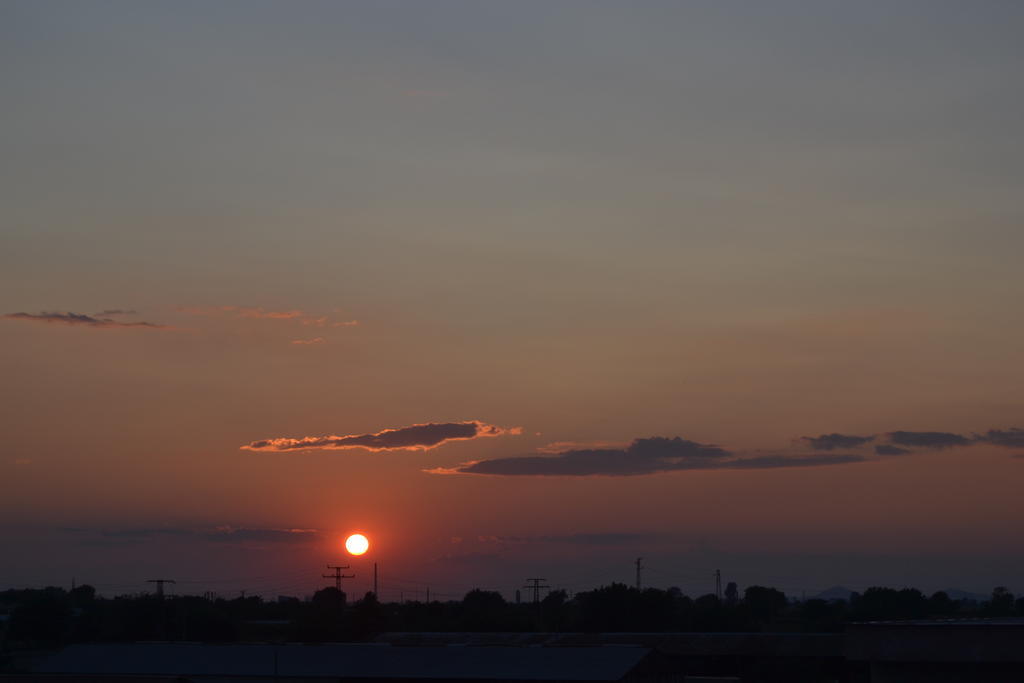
(337, 575)
(537, 588)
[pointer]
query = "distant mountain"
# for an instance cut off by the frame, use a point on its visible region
(833, 593)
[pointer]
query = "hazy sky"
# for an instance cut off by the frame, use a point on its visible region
(547, 228)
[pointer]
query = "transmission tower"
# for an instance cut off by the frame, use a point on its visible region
(537, 588)
(337, 575)
(639, 568)
(718, 584)
(160, 585)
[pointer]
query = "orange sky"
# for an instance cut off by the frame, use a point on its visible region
(576, 224)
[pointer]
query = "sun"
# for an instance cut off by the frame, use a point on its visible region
(357, 544)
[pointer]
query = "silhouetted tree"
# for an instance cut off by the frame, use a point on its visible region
(83, 595)
(483, 611)
(609, 608)
(368, 617)
(43, 615)
(887, 603)
(707, 614)
(764, 603)
(822, 616)
(1001, 604)
(940, 604)
(322, 619)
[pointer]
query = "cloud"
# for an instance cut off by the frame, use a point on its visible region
(886, 449)
(309, 342)
(225, 533)
(778, 461)
(562, 446)
(260, 313)
(419, 437)
(934, 440)
(1008, 438)
(147, 533)
(601, 539)
(229, 533)
(246, 312)
(643, 456)
(68, 318)
(829, 442)
(115, 311)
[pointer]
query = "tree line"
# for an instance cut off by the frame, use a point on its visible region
(53, 616)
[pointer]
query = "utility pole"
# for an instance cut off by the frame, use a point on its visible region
(718, 584)
(375, 594)
(639, 568)
(337, 575)
(537, 588)
(160, 585)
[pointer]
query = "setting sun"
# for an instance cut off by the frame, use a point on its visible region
(357, 544)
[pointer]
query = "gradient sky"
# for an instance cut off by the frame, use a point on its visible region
(574, 224)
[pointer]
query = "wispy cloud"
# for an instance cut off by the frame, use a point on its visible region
(259, 313)
(1007, 438)
(660, 454)
(79, 319)
(244, 312)
(419, 437)
(115, 311)
(242, 534)
(309, 342)
(221, 534)
(886, 449)
(901, 442)
(642, 456)
(829, 442)
(562, 446)
(935, 440)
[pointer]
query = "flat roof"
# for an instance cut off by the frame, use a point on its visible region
(343, 660)
(1001, 621)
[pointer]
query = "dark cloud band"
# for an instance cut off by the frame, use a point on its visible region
(78, 319)
(1007, 438)
(643, 456)
(934, 440)
(886, 449)
(829, 442)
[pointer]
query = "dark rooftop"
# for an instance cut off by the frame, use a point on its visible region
(348, 661)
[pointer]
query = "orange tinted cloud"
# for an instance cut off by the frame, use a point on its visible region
(419, 437)
(258, 312)
(309, 342)
(562, 446)
(246, 312)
